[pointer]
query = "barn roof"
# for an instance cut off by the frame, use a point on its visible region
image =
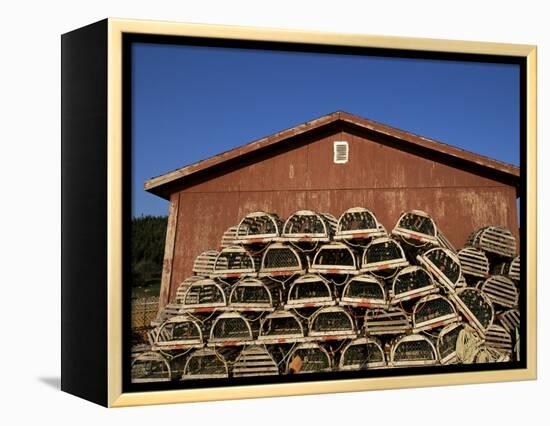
(165, 184)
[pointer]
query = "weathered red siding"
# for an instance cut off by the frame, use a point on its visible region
(378, 176)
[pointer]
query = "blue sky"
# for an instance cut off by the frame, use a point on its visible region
(190, 103)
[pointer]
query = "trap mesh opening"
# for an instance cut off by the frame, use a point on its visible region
(150, 367)
(312, 359)
(357, 222)
(205, 364)
(331, 258)
(432, 312)
(308, 224)
(331, 320)
(417, 222)
(231, 327)
(362, 354)
(309, 289)
(258, 225)
(444, 265)
(205, 293)
(412, 282)
(179, 330)
(280, 325)
(234, 259)
(413, 350)
(253, 294)
(446, 343)
(280, 258)
(476, 307)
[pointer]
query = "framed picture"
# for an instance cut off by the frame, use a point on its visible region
(254, 212)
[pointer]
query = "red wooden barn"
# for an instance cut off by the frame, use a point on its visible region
(384, 169)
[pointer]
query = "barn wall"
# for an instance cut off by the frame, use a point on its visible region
(382, 178)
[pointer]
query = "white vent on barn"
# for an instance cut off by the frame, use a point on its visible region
(255, 361)
(476, 308)
(334, 258)
(416, 228)
(474, 262)
(282, 260)
(494, 239)
(308, 226)
(179, 332)
(444, 266)
(309, 291)
(281, 327)
(204, 263)
(497, 337)
(362, 354)
(150, 367)
(205, 364)
(510, 320)
(501, 290)
(252, 294)
(308, 358)
(383, 322)
(236, 262)
(229, 329)
(383, 257)
(446, 343)
(410, 283)
(205, 295)
(412, 351)
(258, 228)
(433, 311)
(332, 323)
(341, 152)
(358, 223)
(364, 291)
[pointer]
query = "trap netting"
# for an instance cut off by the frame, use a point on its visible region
(178, 332)
(510, 268)
(476, 308)
(444, 266)
(332, 321)
(416, 228)
(410, 283)
(251, 294)
(258, 228)
(334, 258)
(308, 358)
(358, 223)
(413, 350)
(203, 294)
(364, 291)
(204, 263)
(307, 225)
(446, 343)
(309, 291)
(205, 364)
(230, 327)
(281, 327)
(361, 354)
(150, 367)
(235, 262)
(281, 259)
(383, 322)
(433, 311)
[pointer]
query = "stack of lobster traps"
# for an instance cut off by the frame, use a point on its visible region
(316, 294)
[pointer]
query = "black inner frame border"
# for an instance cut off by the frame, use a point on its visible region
(130, 38)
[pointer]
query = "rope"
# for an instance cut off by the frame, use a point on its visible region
(297, 247)
(467, 344)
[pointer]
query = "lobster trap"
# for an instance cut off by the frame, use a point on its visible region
(230, 329)
(494, 239)
(446, 343)
(497, 337)
(410, 283)
(252, 294)
(150, 367)
(255, 361)
(362, 354)
(358, 223)
(205, 295)
(510, 320)
(282, 260)
(308, 358)
(331, 323)
(258, 228)
(383, 322)
(178, 332)
(281, 327)
(205, 262)
(308, 226)
(501, 290)
(309, 291)
(236, 262)
(413, 350)
(511, 269)
(444, 266)
(433, 311)
(176, 308)
(383, 257)
(205, 363)
(334, 258)
(474, 262)
(184, 286)
(229, 237)
(416, 228)
(476, 308)
(364, 291)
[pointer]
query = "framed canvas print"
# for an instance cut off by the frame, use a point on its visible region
(255, 212)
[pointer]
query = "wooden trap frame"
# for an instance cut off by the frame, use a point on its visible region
(205, 363)
(331, 323)
(150, 367)
(229, 237)
(497, 337)
(494, 239)
(383, 257)
(251, 294)
(308, 358)
(309, 291)
(383, 322)
(230, 329)
(474, 262)
(236, 262)
(205, 295)
(410, 283)
(176, 308)
(362, 354)
(510, 320)
(511, 269)
(501, 291)
(258, 228)
(364, 291)
(205, 262)
(416, 228)
(433, 311)
(178, 332)
(281, 327)
(308, 226)
(281, 259)
(334, 258)
(358, 223)
(446, 343)
(413, 350)
(255, 361)
(476, 308)
(444, 266)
